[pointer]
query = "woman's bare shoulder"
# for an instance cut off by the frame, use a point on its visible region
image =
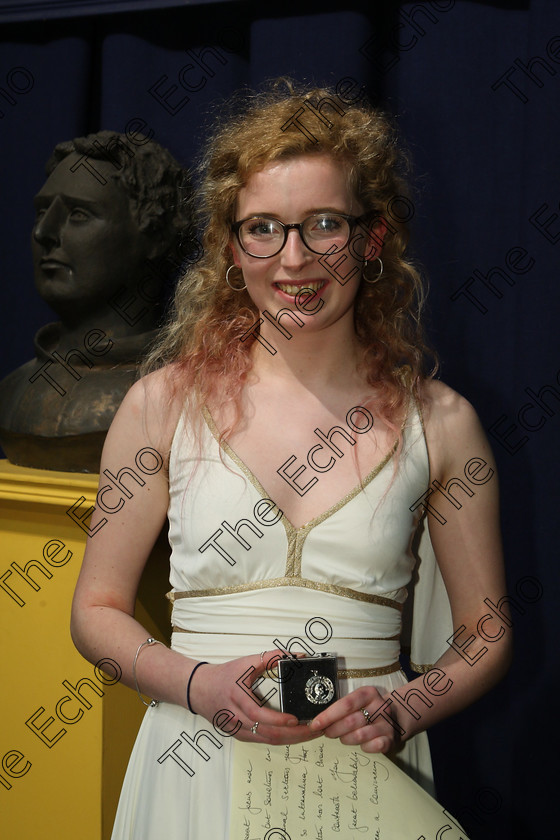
(442, 404)
(453, 429)
(151, 408)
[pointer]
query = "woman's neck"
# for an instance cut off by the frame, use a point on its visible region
(316, 360)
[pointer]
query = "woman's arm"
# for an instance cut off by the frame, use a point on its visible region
(468, 549)
(103, 624)
(469, 553)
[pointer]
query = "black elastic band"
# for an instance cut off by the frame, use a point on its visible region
(190, 708)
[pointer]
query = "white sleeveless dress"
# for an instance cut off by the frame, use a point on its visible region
(243, 577)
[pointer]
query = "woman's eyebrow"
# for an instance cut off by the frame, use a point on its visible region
(305, 213)
(312, 211)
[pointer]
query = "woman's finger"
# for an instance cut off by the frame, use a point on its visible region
(362, 697)
(257, 669)
(268, 734)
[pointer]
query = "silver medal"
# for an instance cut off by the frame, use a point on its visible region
(319, 689)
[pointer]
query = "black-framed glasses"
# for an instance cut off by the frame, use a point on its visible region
(262, 236)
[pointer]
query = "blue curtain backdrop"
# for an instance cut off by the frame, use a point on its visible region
(475, 88)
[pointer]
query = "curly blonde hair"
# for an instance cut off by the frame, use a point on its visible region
(203, 336)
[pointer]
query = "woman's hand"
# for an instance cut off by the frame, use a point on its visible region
(226, 689)
(345, 720)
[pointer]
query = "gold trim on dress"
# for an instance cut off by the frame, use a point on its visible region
(293, 566)
(359, 673)
(342, 673)
(256, 483)
(175, 629)
(420, 669)
(271, 583)
(296, 536)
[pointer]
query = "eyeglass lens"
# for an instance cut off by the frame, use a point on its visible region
(262, 237)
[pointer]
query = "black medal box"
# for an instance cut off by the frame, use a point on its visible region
(308, 684)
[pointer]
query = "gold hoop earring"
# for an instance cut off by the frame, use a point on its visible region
(376, 278)
(234, 288)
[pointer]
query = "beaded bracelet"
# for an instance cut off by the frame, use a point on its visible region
(189, 707)
(149, 641)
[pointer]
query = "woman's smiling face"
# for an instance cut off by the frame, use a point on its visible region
(290, 191)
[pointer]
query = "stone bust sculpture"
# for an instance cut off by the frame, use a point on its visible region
(111, 228)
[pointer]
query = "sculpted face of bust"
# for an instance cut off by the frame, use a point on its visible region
(86, 241)
(113, 224)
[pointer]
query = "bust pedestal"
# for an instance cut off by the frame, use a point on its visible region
(66, 728)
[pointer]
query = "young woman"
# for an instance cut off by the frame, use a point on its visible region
(293, 371)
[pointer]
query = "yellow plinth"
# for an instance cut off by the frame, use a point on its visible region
(66, 729)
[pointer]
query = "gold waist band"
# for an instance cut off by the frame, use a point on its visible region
(359, 673)
(175, 629)
(275, 583)
(343, 673)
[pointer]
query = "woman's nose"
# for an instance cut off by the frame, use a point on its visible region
(49, 224)
(295, 252)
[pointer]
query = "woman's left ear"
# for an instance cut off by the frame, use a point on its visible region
(367, 240)
(377, 230)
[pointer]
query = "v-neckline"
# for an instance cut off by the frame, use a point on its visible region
(209, 420)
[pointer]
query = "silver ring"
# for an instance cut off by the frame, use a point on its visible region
(262, 655)
(254, 727)
(366, 714)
